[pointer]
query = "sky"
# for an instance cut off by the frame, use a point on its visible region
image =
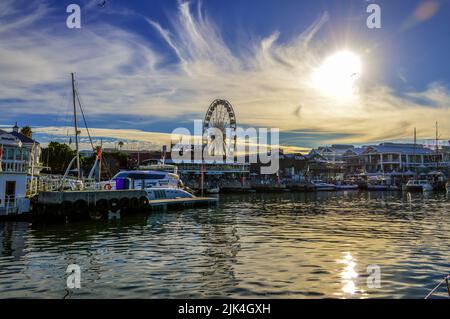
(145, 68)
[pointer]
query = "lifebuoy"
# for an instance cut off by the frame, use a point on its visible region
(107, 187)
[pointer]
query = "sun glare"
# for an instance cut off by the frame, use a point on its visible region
(338, 74)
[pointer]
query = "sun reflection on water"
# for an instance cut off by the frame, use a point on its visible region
(349, 274)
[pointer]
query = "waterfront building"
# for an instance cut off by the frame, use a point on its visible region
(327, 162)
(223, 175)
(293, 167)
(399, 158)
(333, 154)
(353, 161)
(16, 162)
(19, 152)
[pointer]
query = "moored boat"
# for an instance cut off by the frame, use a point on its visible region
(380, 183)
(416, 185)
(213, 190)
(346, 186)
(157, 184)
(319, 185)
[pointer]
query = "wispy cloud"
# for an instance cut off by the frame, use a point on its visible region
(122, 73)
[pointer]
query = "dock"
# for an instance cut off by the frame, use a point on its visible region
(95, 204)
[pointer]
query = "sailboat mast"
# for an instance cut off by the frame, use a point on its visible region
(76, 127)
(414, 153)
(437, 146)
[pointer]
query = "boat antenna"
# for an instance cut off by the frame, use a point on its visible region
(76, 126)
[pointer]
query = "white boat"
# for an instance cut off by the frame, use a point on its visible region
(213, 190)
(418, 185)
(380, 183)
(157, 184)
(322, 186)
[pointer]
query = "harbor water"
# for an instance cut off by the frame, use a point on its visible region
(289, 245)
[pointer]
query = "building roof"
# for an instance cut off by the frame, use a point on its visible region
(8, 138)
(354, 151)
(23, 138)
(399, 148)
(335, 149)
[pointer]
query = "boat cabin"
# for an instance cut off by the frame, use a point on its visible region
(145, 179)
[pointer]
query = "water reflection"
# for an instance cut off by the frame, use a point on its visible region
(13, 237)
(348, 274)
(288, 245)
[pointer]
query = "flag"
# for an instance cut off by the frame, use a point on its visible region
(99, 152)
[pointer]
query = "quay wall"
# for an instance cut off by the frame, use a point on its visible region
(88, 196)
(79, 205)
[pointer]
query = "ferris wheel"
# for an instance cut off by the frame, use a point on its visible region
(219, 121)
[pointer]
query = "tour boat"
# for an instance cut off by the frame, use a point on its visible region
(322, 186)
(416, 185)
(157, 184)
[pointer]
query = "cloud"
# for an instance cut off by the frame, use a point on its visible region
(121, 73)
(133, 139)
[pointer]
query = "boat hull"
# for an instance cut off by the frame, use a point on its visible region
(377, 188)
(418, 188)
(324, 188)
(346, 187)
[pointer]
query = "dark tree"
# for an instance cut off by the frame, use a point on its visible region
(26, 130)
(57, 157)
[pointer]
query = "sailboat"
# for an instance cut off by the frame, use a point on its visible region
(79, 182)
(158, 183)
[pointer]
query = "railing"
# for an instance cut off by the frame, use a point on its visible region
(10, 205)
(56, 183)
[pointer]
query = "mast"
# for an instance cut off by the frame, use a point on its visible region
(414, 153)
(100, 157)
(437, 146)
(76, 127)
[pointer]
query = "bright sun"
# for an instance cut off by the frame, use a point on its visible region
(337, 75)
